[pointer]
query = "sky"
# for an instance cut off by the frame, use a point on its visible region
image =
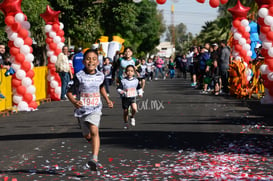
(190, 12)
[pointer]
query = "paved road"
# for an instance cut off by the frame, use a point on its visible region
(179, 134)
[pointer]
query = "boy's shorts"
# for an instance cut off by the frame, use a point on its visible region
(126, 102)
(85, 122)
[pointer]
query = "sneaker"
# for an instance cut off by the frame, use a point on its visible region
(126, 126)
(156, 78)
(193, 84)
(133, 122)
(203, 92)
(164, 78)
(93, 165)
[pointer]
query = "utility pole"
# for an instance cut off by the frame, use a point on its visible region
(173, 28)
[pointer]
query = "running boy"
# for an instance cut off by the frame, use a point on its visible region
(129, 88)
(88, 84)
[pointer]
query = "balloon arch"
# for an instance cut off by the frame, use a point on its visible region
(20, 43)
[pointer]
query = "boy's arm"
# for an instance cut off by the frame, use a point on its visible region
(106, 98)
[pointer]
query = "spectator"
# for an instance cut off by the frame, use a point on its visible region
(78, 61)
(224, 65)
(63, 69)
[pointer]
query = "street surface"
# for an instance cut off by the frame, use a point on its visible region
(179, 134)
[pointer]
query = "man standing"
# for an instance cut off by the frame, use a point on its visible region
(63, 69)
(224, 65)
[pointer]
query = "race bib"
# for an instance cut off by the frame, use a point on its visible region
(90, 99)
(131, 92)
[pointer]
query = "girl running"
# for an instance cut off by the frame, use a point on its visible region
(129, 88)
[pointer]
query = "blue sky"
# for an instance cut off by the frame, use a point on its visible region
(189, 12)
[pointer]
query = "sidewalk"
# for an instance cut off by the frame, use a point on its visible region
(179, 134)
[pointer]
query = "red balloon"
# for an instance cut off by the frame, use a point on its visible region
(238, 48)
(60, 33)
(57, 51)
(160, 1)
(49, 40)
(26, 66)
(23, 33)
(31, 49)
(21, 90)
(270, 11)
(16, 27)
(214, 3)
(241, 29)
(63, 39)
(30, 74)
(33, 104)
(55, 27)
(269, 35)
(50, 16)
(201, 1)
(11, 7)
(9, 20)
(10, 44)
(260, 21)
(15, 82)
(28, 41)
(265, 29)
(236, 23)
(20, 58)
(52, 46)
(269, 63)
(14, 51)
(223, 1)
(28, 97)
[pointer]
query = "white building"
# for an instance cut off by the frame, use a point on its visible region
(166, 49)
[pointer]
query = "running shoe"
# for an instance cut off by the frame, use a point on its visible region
(126, 126)
(133, 122)
(193, 84)
(93, 165)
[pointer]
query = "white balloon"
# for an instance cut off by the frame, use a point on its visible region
(237, 36)
(31, 89)
(31, 65)
(57, 39)
(268, 20)
(245, 64)
(242, 41)
(54, 84)
(264, 69)
(58, 90)
(49, 53)
(235, 54)
(50, 78)
(23, 106)
(29, 57)
(18, 42)
(26, 81)
(19, 17)
(20, 74)
(26, 25)
(48, 28)
(16, 99)
(245, 22)
(270, 76)
(53, 59)
(25, 49)
(137, 1)
(8, 29)
(267, 44)
(249, 53)
(246, 47)
(263, 12)
(61, 25)
(270, 52)
(13, 36)
(247, 28)
(33, 97)
(262, 37)
(60, 45)
(16, 66)
(52, 34)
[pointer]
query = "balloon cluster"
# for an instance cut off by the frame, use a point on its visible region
(214, 3)
(265, 21)
(55, 42)
(20, 43)
(160, 1)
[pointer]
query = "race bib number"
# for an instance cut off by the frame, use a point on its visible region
(90, 99)
(131, 92)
